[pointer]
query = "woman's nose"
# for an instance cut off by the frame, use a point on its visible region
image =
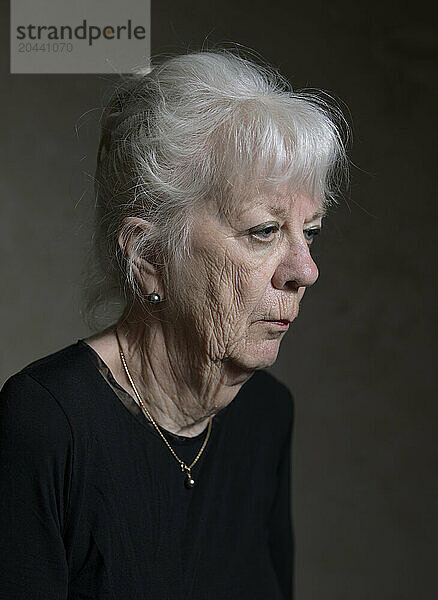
(297, 269)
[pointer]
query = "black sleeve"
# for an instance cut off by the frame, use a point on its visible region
(280, 526)
(35, 467)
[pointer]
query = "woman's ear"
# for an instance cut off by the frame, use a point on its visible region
(145, 271)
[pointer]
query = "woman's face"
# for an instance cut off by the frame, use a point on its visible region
(247, 273)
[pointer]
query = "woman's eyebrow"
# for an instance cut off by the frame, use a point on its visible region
(318, 215)
(278, 211)
(281, 213)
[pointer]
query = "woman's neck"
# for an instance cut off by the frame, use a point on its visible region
(180, 386)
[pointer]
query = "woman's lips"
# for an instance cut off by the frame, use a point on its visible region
(281, 324)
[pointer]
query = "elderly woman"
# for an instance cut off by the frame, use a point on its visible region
(152, 460)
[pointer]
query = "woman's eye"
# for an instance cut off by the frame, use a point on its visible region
(309, 234)
(266, 234)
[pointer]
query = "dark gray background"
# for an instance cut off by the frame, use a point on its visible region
(360, 359)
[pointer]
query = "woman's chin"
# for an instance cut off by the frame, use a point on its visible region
(258, 355)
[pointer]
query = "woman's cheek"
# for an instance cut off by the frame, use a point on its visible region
(238, 284)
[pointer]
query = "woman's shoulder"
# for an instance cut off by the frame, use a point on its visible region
(52, 385)
(53, 370)
(32, 417)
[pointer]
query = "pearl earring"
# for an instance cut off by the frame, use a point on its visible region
(154, 298)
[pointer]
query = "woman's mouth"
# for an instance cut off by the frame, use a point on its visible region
(283, 324)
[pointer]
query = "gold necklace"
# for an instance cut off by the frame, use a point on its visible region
(189, 482)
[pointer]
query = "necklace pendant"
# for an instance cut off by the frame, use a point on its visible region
(189, 482)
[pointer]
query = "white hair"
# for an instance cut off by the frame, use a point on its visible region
(200, 127)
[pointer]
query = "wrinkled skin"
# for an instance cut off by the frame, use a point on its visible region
(190, 362)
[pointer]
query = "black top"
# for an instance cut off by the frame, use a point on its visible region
(93, 504)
